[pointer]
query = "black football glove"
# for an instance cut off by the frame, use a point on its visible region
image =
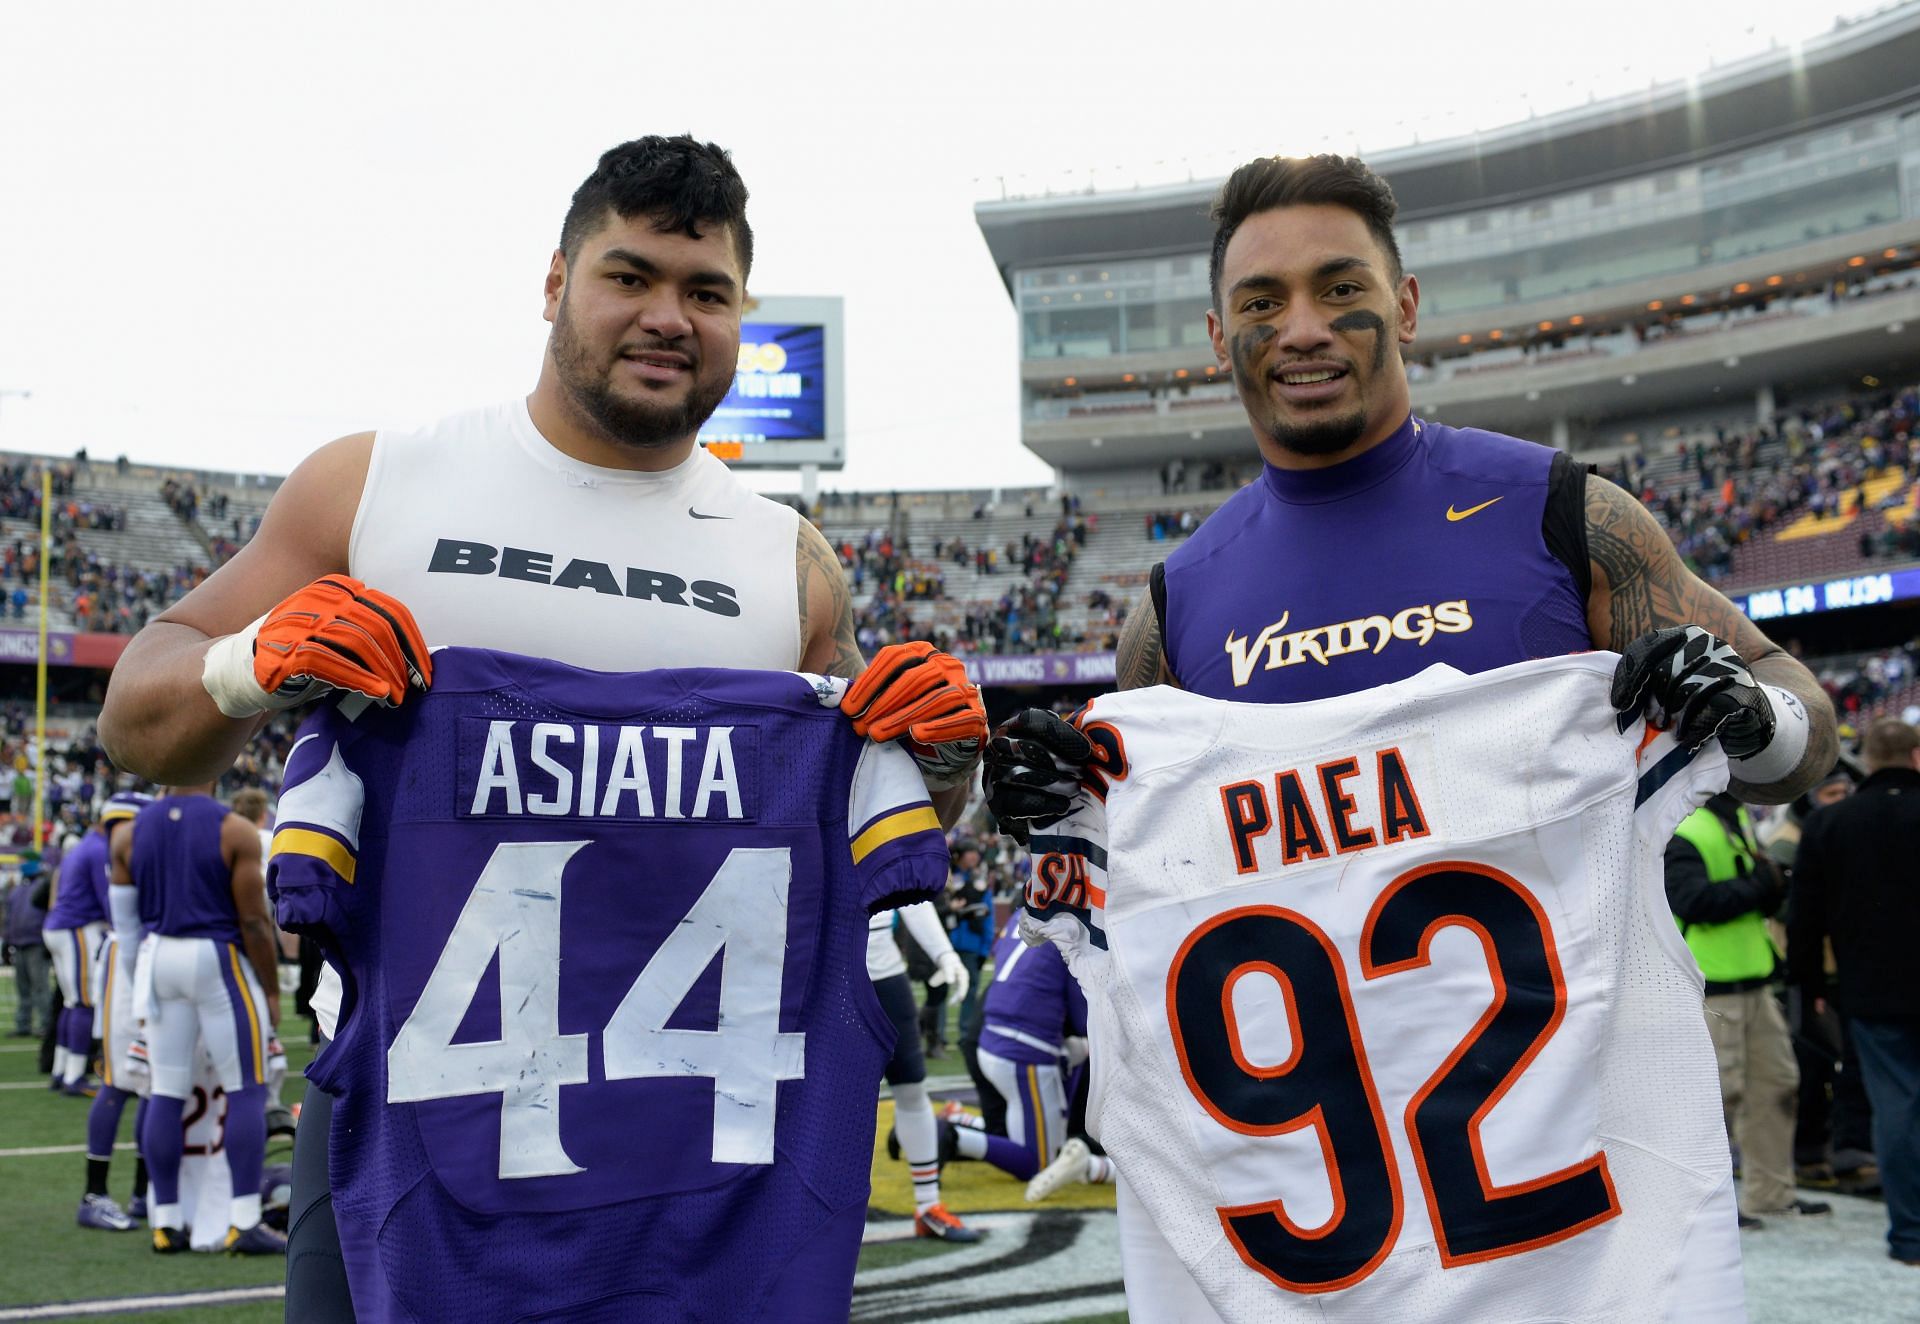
(1033, 763)
(1694, 684)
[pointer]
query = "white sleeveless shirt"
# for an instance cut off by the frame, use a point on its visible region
(495, 539)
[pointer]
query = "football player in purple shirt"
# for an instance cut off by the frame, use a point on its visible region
(195, 868)
(1033, 1036)
(97, 1209)
(1375, 544)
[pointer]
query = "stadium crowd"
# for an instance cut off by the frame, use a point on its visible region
(1746, 483)
(1023, 619)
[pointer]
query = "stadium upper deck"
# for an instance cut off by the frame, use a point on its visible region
(1710, 247)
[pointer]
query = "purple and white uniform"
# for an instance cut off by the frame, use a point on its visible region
(607, 1048)
(1030, 1008)
(76, 922)
(193, 983)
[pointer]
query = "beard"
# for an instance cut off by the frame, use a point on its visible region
(1326, 436)
(626, 421)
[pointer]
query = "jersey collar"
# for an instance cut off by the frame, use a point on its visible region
(1308, 487)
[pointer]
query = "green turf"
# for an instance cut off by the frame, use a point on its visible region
(48, 1257)
(886, 1254)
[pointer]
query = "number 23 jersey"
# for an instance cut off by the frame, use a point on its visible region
(1390, 1018)
(608, 1049)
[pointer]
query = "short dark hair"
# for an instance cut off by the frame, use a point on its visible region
(1297, 181)
(679, 182)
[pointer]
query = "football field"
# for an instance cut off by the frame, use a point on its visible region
(1058, 1262)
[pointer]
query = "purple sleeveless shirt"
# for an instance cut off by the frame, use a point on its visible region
(1427, 548)
(185, 886)
(80, 898)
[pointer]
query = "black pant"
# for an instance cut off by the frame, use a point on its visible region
(316, 1274)
(1833, 1110)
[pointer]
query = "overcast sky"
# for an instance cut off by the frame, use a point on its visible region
(230, 232)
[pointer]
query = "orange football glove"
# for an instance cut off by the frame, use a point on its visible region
(921, 697)
(334, 634)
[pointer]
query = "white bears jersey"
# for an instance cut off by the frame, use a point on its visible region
(1389, 1017)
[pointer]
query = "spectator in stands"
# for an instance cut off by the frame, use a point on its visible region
(1854, 885)
(1721, 890)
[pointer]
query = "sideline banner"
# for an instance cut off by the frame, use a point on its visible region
(1040, 669)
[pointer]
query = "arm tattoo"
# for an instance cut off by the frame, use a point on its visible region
(1140, 660)
(816, 564)
(1641, 584)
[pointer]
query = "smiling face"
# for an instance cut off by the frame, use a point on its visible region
(646, 330)
(1310, 323)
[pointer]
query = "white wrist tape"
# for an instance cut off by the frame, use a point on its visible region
(227, 675)
(1791, 730)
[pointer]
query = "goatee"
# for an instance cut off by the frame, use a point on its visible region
(626, 421)
(1328, 436)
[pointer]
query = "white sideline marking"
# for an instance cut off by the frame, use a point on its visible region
(39, 1150)
(172, 1301)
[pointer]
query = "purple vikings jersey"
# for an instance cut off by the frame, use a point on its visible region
(180, 872)
(86, 901)
(1427, 548)
(79, 898)
(608, 1049)
(1032, 1003)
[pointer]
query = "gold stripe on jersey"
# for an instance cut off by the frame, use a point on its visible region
(892, 828)
(253, 1017)
(305, 841)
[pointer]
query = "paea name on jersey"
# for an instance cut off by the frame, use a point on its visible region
(1389, 1019)
(608, 1046)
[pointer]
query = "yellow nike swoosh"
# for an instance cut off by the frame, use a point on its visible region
(1453, 516)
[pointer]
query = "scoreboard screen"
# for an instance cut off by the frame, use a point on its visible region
(779, 388)
(784, 409)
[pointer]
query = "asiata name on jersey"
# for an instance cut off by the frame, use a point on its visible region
(601, 770)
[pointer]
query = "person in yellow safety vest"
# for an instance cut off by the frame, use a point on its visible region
(1721, 889)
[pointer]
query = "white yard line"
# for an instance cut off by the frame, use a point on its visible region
(37, 1151)
(172, 1301)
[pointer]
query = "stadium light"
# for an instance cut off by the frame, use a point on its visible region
(1774, 280)
(1576, 320)
(1856, 262)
